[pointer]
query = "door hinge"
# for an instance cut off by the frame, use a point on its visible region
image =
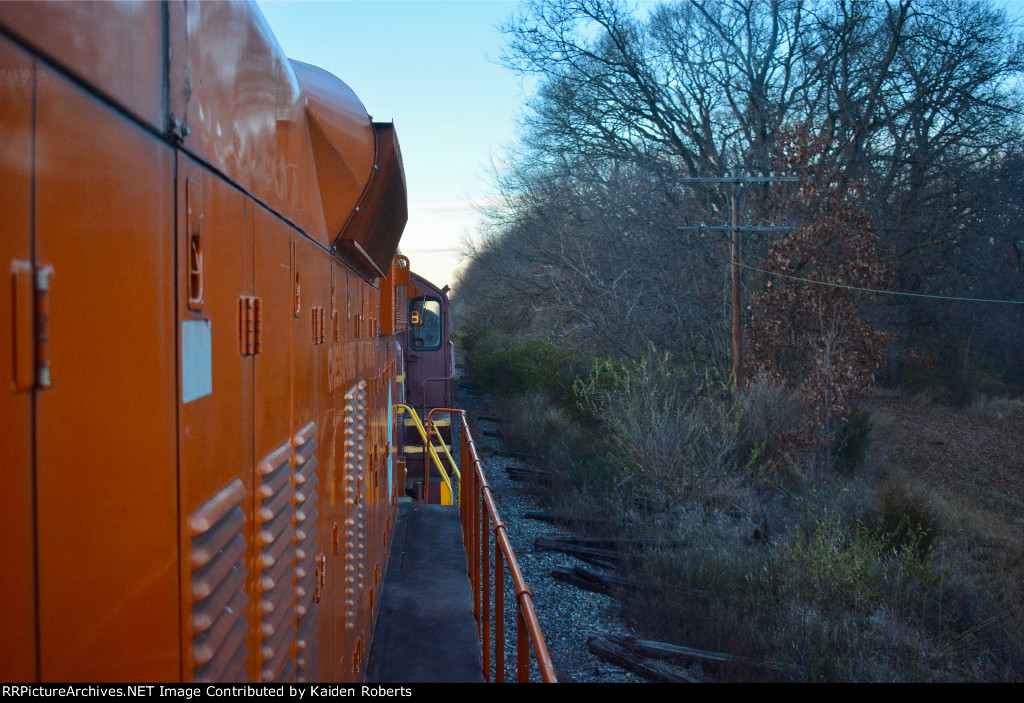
(296, 287)
(319, 326)
(31, 333)
(321, 577)
(250, 314)
(43, 274)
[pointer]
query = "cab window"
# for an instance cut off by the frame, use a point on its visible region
(425, 324)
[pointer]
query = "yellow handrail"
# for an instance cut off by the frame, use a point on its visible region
(432, 429)
(446, 499)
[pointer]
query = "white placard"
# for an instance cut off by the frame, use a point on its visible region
(196, 360)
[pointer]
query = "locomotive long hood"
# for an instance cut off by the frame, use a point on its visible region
(293, 136)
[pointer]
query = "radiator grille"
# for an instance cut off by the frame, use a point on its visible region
(306, 557)
(275, 585)
(354, 475)
(401, 309)
(217, 587)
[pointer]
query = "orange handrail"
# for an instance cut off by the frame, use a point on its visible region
(480, 518)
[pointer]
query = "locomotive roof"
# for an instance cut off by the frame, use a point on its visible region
(293, 136)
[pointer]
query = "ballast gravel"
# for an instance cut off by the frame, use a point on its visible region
(567, 615)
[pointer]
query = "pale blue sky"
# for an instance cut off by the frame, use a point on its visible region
(432, 68)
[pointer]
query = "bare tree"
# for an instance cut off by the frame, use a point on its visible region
(589, 254)
(915, 100)
(905, 89)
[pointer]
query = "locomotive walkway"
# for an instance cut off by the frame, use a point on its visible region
(426, 631)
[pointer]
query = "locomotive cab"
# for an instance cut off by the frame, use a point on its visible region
(425, 324)
(429, 366)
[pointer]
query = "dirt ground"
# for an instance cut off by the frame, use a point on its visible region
(970, 455)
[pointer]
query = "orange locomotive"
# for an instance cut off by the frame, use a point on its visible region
(197, 451)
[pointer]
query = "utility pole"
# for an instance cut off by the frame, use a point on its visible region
(734, 251)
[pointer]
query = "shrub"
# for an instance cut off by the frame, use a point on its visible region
(904, 519)
(535, 426)
(506, 367)
(672, 432)
(768, 415)
(852, 441)
(603, 376)
(831, 566)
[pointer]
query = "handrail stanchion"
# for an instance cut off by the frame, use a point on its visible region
(481, 535)
(430, 425)
(522, 647)
(499, 615)
(474, 535)
(426, 475)
(485, 606)
(481, 514)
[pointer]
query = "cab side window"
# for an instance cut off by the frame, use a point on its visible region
(425, 324)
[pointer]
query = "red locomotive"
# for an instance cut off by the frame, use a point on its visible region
(429, 370)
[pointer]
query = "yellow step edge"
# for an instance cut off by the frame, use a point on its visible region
(443, 422)
(418, 448)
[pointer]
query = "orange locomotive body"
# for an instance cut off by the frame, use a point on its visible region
(197, 445)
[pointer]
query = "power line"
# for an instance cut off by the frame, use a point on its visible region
(873, 290)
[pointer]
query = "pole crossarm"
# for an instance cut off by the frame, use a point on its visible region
(737, 180)
(734, 228)
(730, 228)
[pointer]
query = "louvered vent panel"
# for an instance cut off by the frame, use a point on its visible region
(275, 536)
(306, 548)
(289, 671)
(217, 587)
(401, 309)
(354, 478)
(307, 650)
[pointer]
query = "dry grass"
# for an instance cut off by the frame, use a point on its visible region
(865, 576)
(996, 408)
(907, 567)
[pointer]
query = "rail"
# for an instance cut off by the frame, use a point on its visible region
(479, 519)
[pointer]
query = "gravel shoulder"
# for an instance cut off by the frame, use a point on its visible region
(971, 457)
(567, 615)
